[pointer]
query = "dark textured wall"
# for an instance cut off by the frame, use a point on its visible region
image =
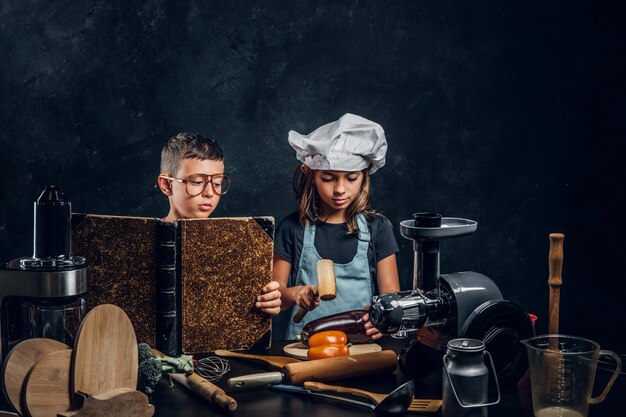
(508, 113)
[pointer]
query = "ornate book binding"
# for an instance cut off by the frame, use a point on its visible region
(188, 286)
(168, 297)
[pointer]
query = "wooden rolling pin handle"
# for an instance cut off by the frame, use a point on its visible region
(297, 318)
(555, 279)
(211, 392)
(207, 390)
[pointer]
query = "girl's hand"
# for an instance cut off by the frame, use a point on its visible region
(269, 301)
(370, 330)
(306, 298)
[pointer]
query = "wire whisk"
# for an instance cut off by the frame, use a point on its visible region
(212, 368)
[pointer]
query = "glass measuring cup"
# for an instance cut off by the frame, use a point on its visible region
(562, 371)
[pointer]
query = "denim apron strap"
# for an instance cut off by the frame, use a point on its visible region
(354, 288)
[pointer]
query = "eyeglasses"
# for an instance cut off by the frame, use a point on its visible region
(197, 183)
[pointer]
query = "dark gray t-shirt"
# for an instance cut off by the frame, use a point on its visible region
(332, 242)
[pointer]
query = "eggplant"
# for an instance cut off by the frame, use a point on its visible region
(349, 322)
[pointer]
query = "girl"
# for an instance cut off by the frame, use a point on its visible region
(334, 221)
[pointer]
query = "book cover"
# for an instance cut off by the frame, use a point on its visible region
(188, 286)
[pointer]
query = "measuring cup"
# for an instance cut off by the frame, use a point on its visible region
(562, 371)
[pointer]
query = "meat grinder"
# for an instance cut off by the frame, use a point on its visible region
(442, 307)
(42, 295)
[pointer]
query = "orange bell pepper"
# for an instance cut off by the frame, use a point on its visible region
(327, 351)
(329, 337)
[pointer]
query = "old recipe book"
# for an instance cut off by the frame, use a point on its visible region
(188, 286)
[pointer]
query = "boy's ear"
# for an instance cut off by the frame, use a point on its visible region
(165, 185)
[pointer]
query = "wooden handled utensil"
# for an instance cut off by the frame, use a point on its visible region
(329, 369)
(275, 361)
(207, 390)
(416, 405)
(326, 287)
(555, 279)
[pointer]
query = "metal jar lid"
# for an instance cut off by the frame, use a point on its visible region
(466, 345)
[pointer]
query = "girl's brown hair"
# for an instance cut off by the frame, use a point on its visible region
(308, 200)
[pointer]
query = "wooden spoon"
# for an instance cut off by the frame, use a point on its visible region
(19, 362)
(105, 352)
(47, 387)
(275, 361)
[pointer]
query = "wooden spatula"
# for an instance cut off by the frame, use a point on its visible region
(275, 361)
(105, 352)
(19, 362)
(47, 387)
(417, 405)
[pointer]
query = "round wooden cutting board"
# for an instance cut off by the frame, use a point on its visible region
(47, 387)
(19, 362)
(105, 352)
(298, 350)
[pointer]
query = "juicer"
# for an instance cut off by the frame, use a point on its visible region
(442, 307)
(42, 295)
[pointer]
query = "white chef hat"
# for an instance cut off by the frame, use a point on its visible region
(351, 143)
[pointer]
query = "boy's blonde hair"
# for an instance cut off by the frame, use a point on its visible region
(308, 200)
(188, 145)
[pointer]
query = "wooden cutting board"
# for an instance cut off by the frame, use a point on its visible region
(105, 352)
(19, 362)
(47, 387)
(298, 350)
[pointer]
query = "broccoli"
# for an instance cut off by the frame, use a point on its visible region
(150, 369)
(149, 375)
(145, 351)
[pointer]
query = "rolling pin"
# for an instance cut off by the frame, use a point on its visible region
(206, 389)
(323, 370)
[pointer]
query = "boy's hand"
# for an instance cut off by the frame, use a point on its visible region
(306, 298)
(370, 330)
(269, 300)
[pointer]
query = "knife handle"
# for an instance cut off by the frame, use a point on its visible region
(262, 380)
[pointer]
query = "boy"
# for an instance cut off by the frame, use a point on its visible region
(193, 179)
